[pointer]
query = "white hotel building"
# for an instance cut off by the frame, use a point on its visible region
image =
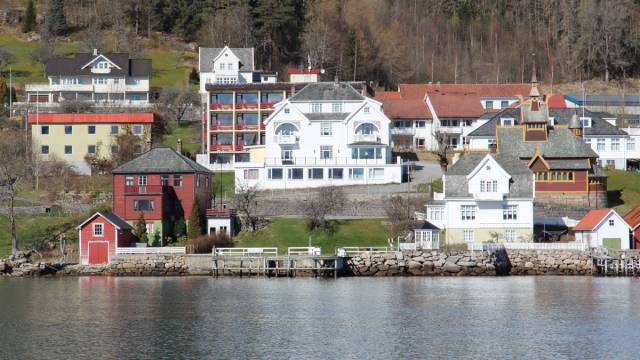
(326, 134)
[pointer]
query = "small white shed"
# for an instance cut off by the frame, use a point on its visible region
(603, 228)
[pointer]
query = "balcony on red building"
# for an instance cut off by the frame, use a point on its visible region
(243, 126)
(221, 106)
(246, 106)
(216, 127)
(144, 189)
(227, 147)
(266, 106)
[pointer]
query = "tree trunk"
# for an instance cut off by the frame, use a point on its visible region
(12, 219)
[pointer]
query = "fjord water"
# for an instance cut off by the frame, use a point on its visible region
(350, 318)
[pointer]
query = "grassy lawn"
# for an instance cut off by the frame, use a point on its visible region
(35, 228)
(165, 72)
(624, 190)
(228, 183)
(188, 131)
(285, 233)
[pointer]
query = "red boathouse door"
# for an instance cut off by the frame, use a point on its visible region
(98, 252)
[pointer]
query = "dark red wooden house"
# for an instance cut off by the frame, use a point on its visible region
(101, 235)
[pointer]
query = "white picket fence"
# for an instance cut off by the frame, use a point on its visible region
(529, 246)
(246, 251)
(151, 250)
(359, 250)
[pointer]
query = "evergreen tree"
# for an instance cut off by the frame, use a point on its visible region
(194, 228)
(140, 229)
(4, 93)
(29, 18)
(194, 77)
(180, 228)
(55, 19)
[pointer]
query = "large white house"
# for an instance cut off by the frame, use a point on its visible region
(102, 78)
(326, 134)
(486, 198)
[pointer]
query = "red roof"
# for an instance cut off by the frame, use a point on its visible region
(633, 217)
(556, 101)
(483, 90)
(592, 219)
(457, 105)
(90, 118)
(398, 107)
(303, 71)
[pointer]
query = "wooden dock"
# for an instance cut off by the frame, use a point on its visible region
(617, 263)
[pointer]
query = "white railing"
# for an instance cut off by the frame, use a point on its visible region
(252, 251)
(421, 244)
(282, 139)
(301, 251)
(151, 250)
(403, 131)
(312, 161)
(450, 129)
(359, 250)
(367, 138)
(529, 246)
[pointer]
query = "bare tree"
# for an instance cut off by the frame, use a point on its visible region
(14, 169)
(400, 212)
(326, 201)
(441, 150)
(245, 202)
(174, 102)
(6, 57)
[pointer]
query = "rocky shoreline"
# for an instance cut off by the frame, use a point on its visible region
(406, 263)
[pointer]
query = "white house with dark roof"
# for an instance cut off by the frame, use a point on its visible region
(486, 198)
(102, 78)
(326, 134)
(229, 66)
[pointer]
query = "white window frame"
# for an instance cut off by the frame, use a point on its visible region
(510, 235)
(336, 107)
(601, 144)
(95, 226)
(510, 213)
(436, 213)
(142, 180)
(316, 107)
(586, 122)
(612, 222)
(615, 144)
(270, 174)
(468, 236)
(488, 186)
(326, 150)
(353, 176)
(467, 212)
(251, 174)
(631, 144)
(376, 174)
(331, 173)
(507, 121)
(326, 129)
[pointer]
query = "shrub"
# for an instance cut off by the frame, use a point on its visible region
(204, 244)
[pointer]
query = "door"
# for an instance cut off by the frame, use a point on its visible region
(98, 252)
(611, 243)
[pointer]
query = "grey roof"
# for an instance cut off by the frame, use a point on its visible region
(208, 54)
(456, 184)
(426, 226)
(160, 160)
(599, 126)
(326, 116)
(327, 91)
(568, 164)
(64, 66)
(561, 143)
(115, 219)
(603, 99)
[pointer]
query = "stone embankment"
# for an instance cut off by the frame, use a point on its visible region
(406, 263)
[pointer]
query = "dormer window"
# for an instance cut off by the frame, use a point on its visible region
(504, 104)
(507, 121)
(586, 122)
(287, 110)
(552, 121)
(488, 104)
(101, 65)
(316, 107)
(336, 107)
(366, 109)
(488, 186)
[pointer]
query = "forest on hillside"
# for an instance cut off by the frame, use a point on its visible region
(392, 41)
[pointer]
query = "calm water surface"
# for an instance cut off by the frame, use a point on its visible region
(366, 318)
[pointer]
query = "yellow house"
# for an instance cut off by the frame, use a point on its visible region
(71, 137)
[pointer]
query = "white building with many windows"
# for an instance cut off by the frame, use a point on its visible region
(486, 198)
(326, 134)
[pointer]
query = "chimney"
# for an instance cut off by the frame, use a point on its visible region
(179, 146)
(95, 52)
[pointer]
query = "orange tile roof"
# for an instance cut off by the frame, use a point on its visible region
(457, 104)
(556, 101)
(398, 107)
(592, 219)
(633, 217)
(90, 118)
(483, 90)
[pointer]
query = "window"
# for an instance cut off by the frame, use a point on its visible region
(326, 152)
(275, 174)
(421, 123)
(91, 129)
(287, 155)
(600, 144)
(506, 121)
(366, 153)
(510, 235)
(611, 163)
(631, 144)
(44, 149)
(44, 130)
(488, 186)
(488, 104)
(295, 174)
(336, 173)
(587, 141)
(491, 142)
(316, 108)
(325, 129)
(436, 213)
(615, 144)
(114, 149)
(137, 129)
(366, 110)
(100, 80)
(247, 98)
(287, 111)
(68, 149)
(143, 205)
(142, 180)
(356, 173)
(251, 174)
(376, 173)
(164, 180)
(586, 122)
(177, 180)
(315, 174)
(504, 104)
(68, 129)
(510, 212)
(611, 222)
(336, 107)
(91, 149)
(128, 180)
(468, 235)
(270, 98)
(115, 129)
(98, 229)
(467, 212)
(116, 81)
